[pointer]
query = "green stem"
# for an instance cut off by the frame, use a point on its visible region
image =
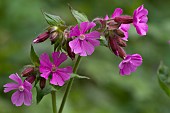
(53, 97)
(69, 85)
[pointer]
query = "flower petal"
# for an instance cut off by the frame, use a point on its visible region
(85, 26)
(141, 28)
(75, 31)
(93, 34)
(58, 58)
(27, 85)
(106, 17)
(144, 19)
(75, 46)
(125, 27)
(94, 42)
(10, 86)
(27, 97)
(87, 47)
(45, 61)
(67, 69)
(16, 78)
(126, 70)
(56, 80)
(136, 60)
(63, 75)
(17, 98)
(45, 74)
(117, 12)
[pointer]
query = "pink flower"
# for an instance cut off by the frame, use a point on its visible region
(130, 64)
(23, 91)
(47, 68)
(84, 43)
(124, 27)
(140, 19)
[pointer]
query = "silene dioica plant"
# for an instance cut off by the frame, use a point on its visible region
(75, 42)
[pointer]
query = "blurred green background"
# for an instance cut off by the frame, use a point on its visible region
(107, 92)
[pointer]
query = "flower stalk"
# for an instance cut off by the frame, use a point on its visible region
(53, 98)
(69, 85)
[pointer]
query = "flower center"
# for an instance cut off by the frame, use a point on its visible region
(82, 37)
(53, 68)
(21, 88)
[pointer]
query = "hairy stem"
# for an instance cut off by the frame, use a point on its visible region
(69, 85)
(53, 97)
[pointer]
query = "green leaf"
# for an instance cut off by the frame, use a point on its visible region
(53, 19)
(42, 93)
(103, 41)
(79, 76)
(164, 78)
(34, 57)
(80, 17)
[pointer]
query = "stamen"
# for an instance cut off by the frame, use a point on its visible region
(82, 37)
(21, 88)
(53, 68)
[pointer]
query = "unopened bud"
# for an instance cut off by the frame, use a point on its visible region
(112, 25)
(41, 38)
(42, 82)
(53, 29)
(70, 53)
(121, 42)
(27, 71)
(122, 53)
(30, 79)
(125, 19)
(102, 23)
(119, 32)
(113, 45)
(53, 37)
(66, 33)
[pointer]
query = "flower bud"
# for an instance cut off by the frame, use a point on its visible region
(27, 71)
(53, 37)
(66, 33)
(41, 38)
(119, 32)
(42, 82)
(121, 42)
(116, 49)
(122, 53)
(113, 45)
(112, 25)
(30, 79)
(70, 53)
(102, 23)
(53, 29)
(125, 19)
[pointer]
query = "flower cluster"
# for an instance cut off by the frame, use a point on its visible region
(79, 40)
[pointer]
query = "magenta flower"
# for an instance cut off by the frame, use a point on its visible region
(140, 19)
(47, 68)
(130, 64)
(23, 90)
(124, 27)
(84, 43)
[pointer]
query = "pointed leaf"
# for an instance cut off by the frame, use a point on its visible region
(79, 76)
(53, 19)
(164, 78)
(80, 17)
(103, 41)
(42, 93)
(34, 57)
